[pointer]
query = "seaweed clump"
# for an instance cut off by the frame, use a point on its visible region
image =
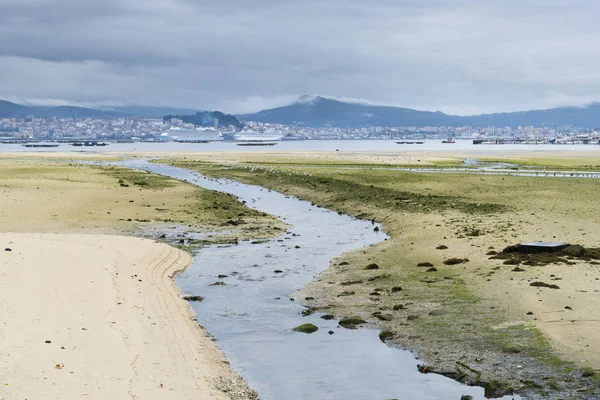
(512, 256)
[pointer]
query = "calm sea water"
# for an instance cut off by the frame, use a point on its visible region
(461, 147)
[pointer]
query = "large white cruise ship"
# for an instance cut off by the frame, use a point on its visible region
(257, 137)
(192, 135)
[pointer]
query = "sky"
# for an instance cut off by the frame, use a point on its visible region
(456, 56)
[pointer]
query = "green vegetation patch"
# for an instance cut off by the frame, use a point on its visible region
(143, 179)
(342, 188)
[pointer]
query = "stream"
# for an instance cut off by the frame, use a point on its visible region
(252, 314)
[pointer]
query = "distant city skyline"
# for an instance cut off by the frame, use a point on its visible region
(460, 57)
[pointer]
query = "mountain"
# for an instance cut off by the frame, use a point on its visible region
(207, 118)
(583, 117)
(317, 111)
(322, 112)
(13, 110)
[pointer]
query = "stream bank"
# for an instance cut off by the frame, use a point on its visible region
(248, 306)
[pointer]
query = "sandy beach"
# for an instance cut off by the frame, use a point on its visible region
(98, 317)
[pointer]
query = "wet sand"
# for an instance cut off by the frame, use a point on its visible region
(99, 317)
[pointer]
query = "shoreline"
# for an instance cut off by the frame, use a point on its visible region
(100, 316)
(463, 247)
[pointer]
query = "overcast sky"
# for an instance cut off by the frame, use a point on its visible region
(457, 56)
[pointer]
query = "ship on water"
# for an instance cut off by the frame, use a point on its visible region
(257, 137)
(206, 135)
(198, 135)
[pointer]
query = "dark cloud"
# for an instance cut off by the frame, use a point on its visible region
(457, 56)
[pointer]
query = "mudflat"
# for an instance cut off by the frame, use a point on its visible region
(435, 287)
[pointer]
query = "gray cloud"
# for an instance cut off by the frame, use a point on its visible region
(239, 56)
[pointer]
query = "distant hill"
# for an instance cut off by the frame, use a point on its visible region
(322, 112)
(207, 118)
(316, 111)
(13, 110)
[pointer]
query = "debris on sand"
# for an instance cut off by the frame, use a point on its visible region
(513, 256)
(543, 284)
(456, 261)
(193, 298)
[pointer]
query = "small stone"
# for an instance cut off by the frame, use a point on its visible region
(574, 251)
(306, 328)
(8, 249)
(383, 317)
(456, 261)
(331, 332)
(512, 348)
(386, 335)
(588, 372)
(351, 322)
(437, 313)
(306, 312)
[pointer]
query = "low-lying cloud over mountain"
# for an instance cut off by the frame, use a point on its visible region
(460, 56)
(316, 111)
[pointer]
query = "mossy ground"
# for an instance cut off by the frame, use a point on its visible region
(468, 313)
(58, 196)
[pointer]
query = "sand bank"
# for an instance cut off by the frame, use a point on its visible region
(99, 317)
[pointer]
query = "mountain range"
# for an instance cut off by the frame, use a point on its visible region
(322, 112)
(13, 110)
(317, 111)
